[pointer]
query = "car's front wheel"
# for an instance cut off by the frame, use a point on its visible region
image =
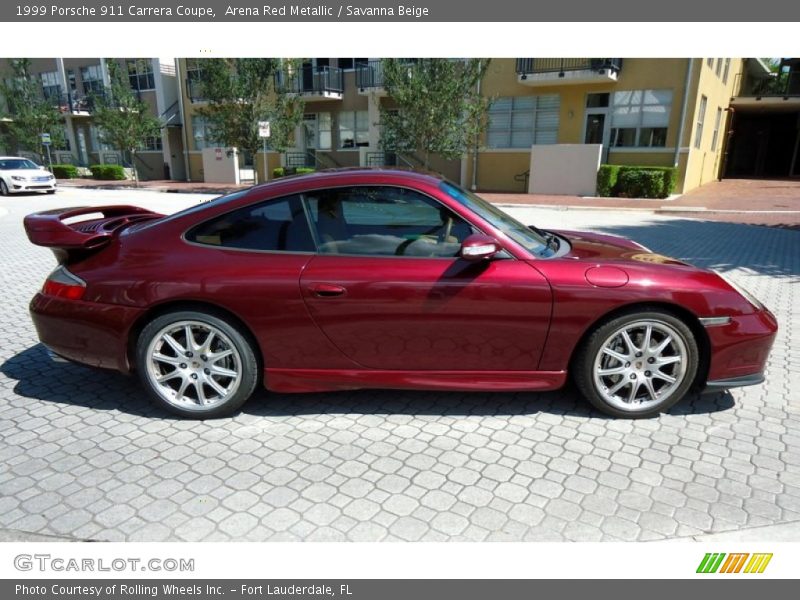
(3, 188)
(196, 364)
(638, 364)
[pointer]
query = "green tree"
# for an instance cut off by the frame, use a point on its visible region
(123, 120)
(440, 110)
(240, 93)
(29, 114)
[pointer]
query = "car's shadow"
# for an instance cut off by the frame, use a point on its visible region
(39, 378)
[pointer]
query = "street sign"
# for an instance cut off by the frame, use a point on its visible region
(45, 139)
(263, 129)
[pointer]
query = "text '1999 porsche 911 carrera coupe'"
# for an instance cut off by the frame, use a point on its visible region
(361, 278)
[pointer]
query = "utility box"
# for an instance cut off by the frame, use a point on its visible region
(565, 169)
(220, 165)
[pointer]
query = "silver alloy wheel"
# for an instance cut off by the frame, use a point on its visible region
(193, 365)
(639, 365)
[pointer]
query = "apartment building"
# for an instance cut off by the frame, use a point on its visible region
(664, 112)
(653, 111)
(73, 84)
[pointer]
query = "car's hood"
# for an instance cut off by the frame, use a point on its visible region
(598, 247)
(26, 173)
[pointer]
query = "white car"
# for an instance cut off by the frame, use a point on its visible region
(19, 174)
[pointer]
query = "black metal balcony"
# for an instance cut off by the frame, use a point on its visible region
(76, 103)
(777, 85)
(369, 75)
(528, 66)
(307, 80)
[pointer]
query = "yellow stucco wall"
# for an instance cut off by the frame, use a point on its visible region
(496, 169)
(703, 164)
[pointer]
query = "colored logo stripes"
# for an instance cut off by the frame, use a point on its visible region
(743, 562)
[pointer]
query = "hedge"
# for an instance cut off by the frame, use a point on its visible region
(65, 171)
(282, 171)
(607, 180)
(636, 181)
(116, 172)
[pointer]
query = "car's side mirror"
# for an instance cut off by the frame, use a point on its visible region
(479, 247)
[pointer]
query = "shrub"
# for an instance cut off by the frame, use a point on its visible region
(108, 172)
(65, 171)
(640, 183)
(607, 180)
(284, 171)
(636, 181)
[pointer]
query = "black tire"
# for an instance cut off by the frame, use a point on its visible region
(3, 188)
(242, 353)
(51, 191)
(587, 356)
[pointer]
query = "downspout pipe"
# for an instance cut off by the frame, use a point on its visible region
(684, 108)
(184, 135)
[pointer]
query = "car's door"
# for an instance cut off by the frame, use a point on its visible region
(389, 290)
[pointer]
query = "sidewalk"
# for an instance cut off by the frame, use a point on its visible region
(760, 202)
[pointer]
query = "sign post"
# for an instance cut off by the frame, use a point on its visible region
(264, 133)
(45, 137)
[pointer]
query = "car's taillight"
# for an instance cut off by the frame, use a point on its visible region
(64, 284)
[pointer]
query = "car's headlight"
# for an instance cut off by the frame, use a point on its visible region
(748, 295)
(19, 178)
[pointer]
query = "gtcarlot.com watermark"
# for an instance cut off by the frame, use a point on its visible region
(46, 563)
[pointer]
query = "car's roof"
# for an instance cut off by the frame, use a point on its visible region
(15, 157)
(356, 174)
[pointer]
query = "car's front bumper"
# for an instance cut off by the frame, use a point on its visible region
(85, 332)
(18, 187)
(740, 349)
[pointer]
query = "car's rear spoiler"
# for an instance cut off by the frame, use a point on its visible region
(50, 229)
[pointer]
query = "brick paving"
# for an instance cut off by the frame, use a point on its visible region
(84, 455)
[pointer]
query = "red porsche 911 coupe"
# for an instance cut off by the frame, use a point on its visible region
(361, 278)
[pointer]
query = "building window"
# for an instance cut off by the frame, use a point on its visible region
(201, 133)
(640, 118)
(710, 62)
(726, 71)
(140, 74)
(718, 70)
(715, 134)
(194, 74)
(701, 117)
(152, 144)
(521, 122)
(51, 88)
(324, 131)
(353, 129)
(97, 144)
(92, 78)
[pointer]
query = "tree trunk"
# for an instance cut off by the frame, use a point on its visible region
(135, 172)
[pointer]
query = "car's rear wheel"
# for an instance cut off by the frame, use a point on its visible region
(638, 364)
(3, 188)
(196, 364)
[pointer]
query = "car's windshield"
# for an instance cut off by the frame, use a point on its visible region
(524, 236)
(17, 163)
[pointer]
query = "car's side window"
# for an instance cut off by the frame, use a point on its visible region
(276, 225)
(384, 221)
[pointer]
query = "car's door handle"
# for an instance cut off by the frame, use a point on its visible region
(327, 290)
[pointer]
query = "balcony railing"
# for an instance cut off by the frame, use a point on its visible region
(76, 103)
(369, 75)
(310, 80)
(779, 85)
(527, 66)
